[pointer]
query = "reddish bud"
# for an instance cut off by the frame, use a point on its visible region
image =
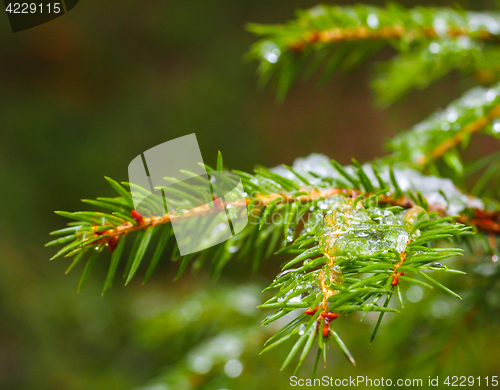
(326, 329)
(112, 242)
(137, 217)
(330, 316)
(311, 311)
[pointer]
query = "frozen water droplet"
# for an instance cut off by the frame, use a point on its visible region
(434, 47)
(233, 368)
(452, 115)
(496, 126)
(296, 299)
(445, 126)
(491, 95)
(283, 273)
(200, 364)
(302, 329)
(440, 26)
(271, 57)
(372, 21)
(271, 52)
(464, 41)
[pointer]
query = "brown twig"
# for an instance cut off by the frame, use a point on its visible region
(337, 35)
(487, 221)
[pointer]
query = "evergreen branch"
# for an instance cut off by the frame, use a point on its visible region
(109, 236)
(471, 128)
(438, 136)
(95, 229)
(355, 232)
(354, 241)
(429, 61)
(341, 37)
(346, 34)
(333, 24)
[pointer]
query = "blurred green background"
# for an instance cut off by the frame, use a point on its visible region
(81, 96)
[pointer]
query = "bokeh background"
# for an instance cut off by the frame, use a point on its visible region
(81, 96)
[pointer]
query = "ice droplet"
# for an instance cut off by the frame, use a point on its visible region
(233, 368)
(271, 52)
(496, 126)
(491, 95)
(200, 364)
(302, 329)
(372, 21)
(434, 47)
(440, 26)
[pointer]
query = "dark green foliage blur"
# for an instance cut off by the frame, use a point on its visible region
(83, 95)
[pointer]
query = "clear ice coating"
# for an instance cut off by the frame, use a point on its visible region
(419, 142)
(351, 231)
(431, 187)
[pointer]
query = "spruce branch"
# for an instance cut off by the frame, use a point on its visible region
(341, 37)
(427, 62)
(478, 110)
(362, 254)
(333, 24)
(97, 229)
(434, 144)
(459, 137)
(355, 233)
